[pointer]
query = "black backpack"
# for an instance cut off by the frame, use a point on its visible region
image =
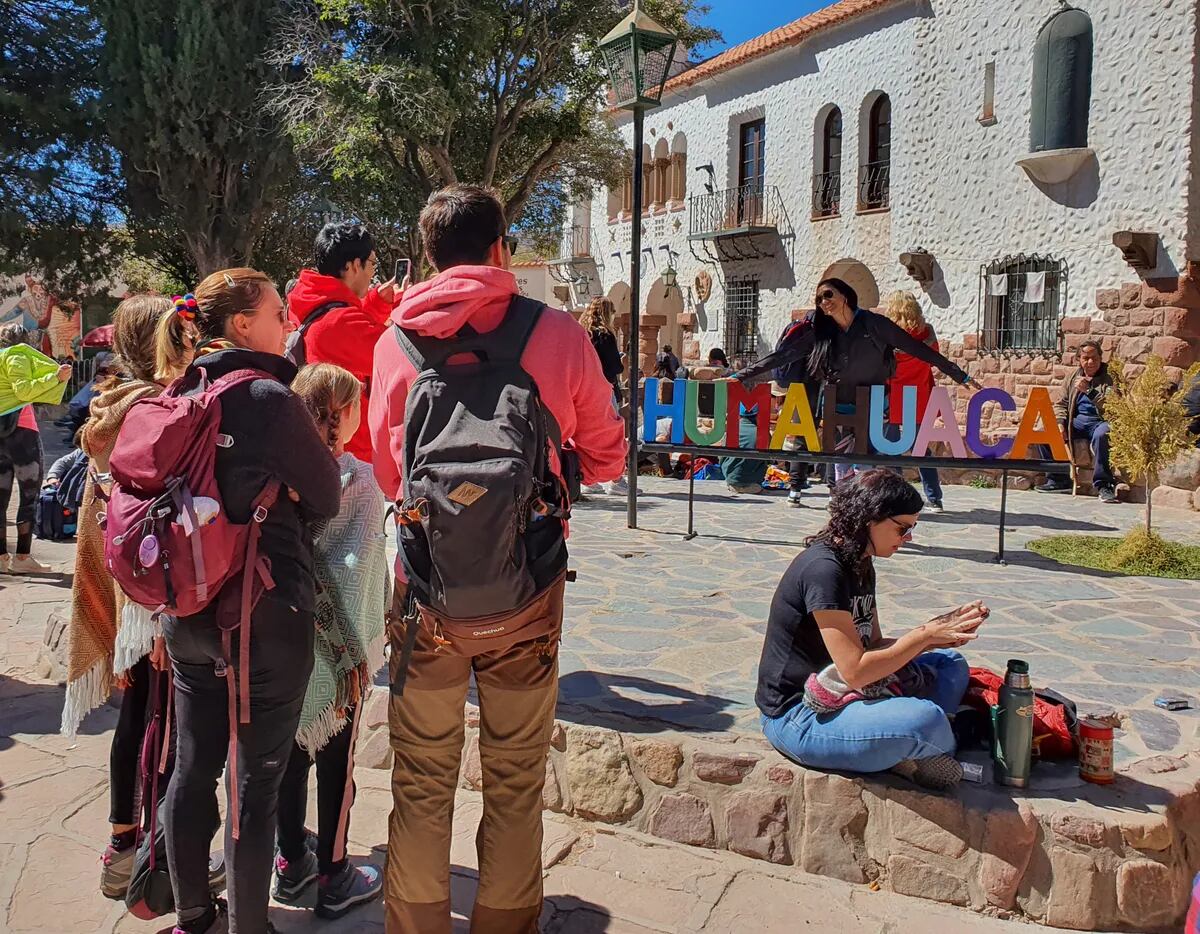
(481, 523)
(294, 350)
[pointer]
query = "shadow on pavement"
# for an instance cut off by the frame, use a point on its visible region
(37, 709)
(638, 705)
(991, 517)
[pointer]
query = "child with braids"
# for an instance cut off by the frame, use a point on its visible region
(352, 586)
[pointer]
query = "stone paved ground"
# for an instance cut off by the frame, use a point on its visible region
(665, 634)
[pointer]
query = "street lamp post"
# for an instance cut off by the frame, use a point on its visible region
(638, 53)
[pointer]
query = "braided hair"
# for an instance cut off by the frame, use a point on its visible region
(327, 390)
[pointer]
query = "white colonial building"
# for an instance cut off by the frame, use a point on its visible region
(1027, 167)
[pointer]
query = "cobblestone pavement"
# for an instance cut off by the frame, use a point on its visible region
(665, 634)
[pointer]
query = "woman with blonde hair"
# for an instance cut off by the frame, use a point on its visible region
(904, 310)
(352, 578)
(112, 641)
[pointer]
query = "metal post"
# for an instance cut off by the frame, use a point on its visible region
(1003, 513)
(691, 532)
(635, 317)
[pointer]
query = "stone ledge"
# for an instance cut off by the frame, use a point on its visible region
(1066, 853)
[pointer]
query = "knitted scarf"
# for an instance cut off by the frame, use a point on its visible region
(352, 590)
(106, 635)
(825, 692)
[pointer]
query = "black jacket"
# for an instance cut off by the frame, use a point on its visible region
(610, 357)
(274, 436)
(863, 355)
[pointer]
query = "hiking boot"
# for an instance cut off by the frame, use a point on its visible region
(348, 888)
(1053, 486)
(1107, 495)
(294, 878)
(795, 498)
(218, 925)
(939, 773)
(117, 871)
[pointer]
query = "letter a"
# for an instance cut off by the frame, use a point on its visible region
(796, 418)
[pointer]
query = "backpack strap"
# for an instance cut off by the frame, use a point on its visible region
(507, 342)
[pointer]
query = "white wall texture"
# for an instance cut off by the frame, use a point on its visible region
(956, 189)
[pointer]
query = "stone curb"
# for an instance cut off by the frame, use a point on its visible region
(1082, 858)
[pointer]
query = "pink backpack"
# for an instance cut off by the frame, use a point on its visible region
(168, 541)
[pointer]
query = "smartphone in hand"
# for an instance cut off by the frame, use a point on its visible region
(403, 266)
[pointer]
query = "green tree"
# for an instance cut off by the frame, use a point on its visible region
(202, 160)
(1149, 425)
(411, 95)
(55, 170)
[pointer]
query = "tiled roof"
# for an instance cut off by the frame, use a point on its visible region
(792, 34)
(527, 263)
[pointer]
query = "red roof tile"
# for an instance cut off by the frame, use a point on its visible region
(792, 34)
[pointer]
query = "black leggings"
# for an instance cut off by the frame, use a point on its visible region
(20, 461)
(124, 757)
(281, 659)
(335, 762)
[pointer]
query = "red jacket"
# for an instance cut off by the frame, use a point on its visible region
(345, 336)
(559, 357)
(911, 372)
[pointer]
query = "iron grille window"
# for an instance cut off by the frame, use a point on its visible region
(827, 183)
(876, 175)
(1022, 302)
(741, 321)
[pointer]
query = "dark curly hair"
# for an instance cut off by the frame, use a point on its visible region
(867, 497)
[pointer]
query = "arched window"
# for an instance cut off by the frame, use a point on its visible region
(875, 178)
(1062, 83)
(827, 177)
(678, 186)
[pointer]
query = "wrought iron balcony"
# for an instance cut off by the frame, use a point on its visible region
(827, 194)
(575, 245)
(875, 185)
(748, 209)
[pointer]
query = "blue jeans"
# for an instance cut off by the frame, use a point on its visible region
(932, 484)
(871, 736)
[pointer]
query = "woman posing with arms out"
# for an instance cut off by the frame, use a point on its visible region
(111, 639)
(904, 310)
(353, 585)
(243, 325)
(849, 347)
(833, 692)
(26, 376)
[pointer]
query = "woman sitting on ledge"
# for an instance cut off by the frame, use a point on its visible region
(835, 694)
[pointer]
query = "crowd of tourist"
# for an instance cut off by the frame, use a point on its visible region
(472, 410)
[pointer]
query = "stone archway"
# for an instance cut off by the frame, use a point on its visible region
(858, 277)
(666, 305)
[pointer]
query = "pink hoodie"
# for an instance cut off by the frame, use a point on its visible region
(559, 357)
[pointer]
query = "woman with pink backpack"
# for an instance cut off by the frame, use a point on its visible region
(266, 440)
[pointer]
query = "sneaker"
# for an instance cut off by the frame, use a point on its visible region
(349, 887)
(938, 773)
(294, 878)
(27, 564)
(1053, 486)
(117, 871)
(795, 498)
(219, 924)
(618, 486)
(935, 505)
(592, 488)
(1106, 494)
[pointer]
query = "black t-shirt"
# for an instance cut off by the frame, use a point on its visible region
(793, 648)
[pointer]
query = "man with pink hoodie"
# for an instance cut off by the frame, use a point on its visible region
(463, 228)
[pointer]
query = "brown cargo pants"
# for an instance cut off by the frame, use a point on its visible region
(518, 689)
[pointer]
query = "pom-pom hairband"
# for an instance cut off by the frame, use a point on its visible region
(186, 306)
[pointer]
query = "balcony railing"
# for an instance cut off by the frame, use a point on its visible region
(875, 185)
(746, 209)
(827, 194)
(575, 244)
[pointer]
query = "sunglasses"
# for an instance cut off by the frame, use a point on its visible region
(826, 295)
(906, 529)
(510, 242)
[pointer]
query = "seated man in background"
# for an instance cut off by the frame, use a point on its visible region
(1080, 413)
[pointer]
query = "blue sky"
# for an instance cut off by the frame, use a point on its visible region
(739, 20)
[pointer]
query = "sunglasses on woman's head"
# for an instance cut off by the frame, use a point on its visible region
(906, 528)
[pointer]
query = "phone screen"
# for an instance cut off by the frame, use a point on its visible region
(401, 270)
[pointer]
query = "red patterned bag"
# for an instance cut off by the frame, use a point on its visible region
(1055, 724)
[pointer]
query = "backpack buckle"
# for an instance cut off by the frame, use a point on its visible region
(224, 441)
(260, 514)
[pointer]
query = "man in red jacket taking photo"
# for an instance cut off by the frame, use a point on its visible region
(337, 313)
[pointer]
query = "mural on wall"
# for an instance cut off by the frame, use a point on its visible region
(55, 325)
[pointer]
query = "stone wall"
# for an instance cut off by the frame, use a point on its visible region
(1091, 858)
